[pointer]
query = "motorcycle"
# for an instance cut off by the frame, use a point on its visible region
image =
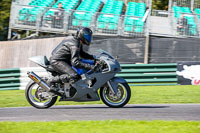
(93, 85)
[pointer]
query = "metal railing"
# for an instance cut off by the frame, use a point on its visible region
(169, 24)
(192, 4)
(186, 24)
(147, 2)
(159, 13)
(182, 3)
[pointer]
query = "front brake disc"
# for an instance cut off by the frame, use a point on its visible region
(117, 97)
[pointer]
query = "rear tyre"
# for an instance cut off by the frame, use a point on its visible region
(116, 100)
(38, 97)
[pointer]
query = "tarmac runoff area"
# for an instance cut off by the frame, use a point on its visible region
(189, 112)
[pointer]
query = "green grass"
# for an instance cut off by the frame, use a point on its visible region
(140, 95)
(165, 94)
(109, 126)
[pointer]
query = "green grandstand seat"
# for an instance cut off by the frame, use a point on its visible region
(113, 20)
(87, 16)
(112, 26)
(32, 18)
(129, 22)
(86, 5)
(186, 10)
(107, 19)
(134, 10)
(111, 7)
(79, 16)
(75, 22)
(128, 28)
(86, 23)
(101, 19)
(139, 23)
(22, 17)
(138, 29)
(197, 10)
(101, 25)
(31, 13)
(24, 11)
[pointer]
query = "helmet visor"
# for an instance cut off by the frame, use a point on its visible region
(88, 38)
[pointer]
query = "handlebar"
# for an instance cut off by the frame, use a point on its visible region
(100, 66)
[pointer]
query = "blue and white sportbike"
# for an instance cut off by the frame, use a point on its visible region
(114, 91)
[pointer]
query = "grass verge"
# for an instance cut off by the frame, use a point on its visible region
(140, 95)
(109, 126)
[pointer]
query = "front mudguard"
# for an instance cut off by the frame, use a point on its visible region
(113, 83)
(118, 80)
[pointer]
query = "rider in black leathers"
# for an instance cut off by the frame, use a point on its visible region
(68, 53)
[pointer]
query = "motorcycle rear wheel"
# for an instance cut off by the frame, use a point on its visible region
(118, 100)
(32, 93)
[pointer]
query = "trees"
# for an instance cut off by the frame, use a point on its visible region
(160, 4)
(4, 18)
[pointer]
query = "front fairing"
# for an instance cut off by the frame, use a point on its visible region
(112, 63)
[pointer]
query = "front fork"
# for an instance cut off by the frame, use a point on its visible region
(113, 84)
(111, 87)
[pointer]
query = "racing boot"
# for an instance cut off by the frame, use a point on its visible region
(72, 78)
(51, 81)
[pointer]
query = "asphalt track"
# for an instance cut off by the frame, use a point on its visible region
(187, 112)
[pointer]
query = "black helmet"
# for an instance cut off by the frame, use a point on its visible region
(85, 35)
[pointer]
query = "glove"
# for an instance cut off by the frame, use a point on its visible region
(96, 66)
(97, 61)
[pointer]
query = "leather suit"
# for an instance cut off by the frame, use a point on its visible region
(67, 54)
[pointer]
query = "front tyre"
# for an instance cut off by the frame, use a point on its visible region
(38, 97)
(116, 100)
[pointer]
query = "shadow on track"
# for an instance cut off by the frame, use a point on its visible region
(105, 107)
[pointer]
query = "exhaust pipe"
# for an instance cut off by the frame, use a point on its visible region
(38, 80)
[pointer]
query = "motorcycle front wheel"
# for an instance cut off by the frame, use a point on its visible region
(116, 100)
(38, 97)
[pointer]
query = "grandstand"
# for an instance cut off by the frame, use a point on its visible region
(190, 11)
(103, 17)
(49, 16)
(192, 29)
(106, 17)
(83, 15)
(131, 24)
(165, 23)
(109, 16)
(29, 14)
